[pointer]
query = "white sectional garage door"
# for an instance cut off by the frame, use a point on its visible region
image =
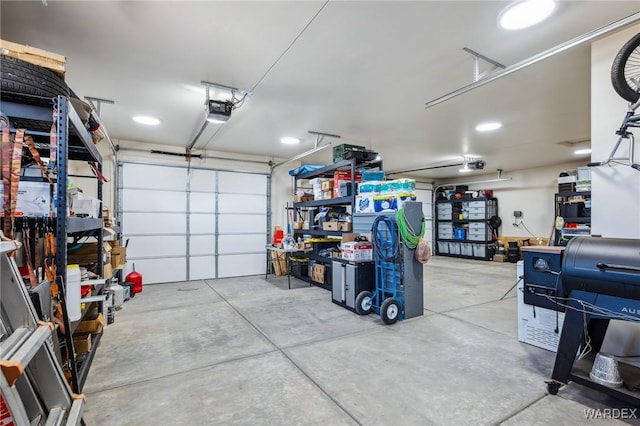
(186, 224)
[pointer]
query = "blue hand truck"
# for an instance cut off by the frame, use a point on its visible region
(387, 299)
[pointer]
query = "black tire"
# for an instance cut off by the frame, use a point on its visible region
(626, 66)
(22, 78)
(363, 303)
(390, 311)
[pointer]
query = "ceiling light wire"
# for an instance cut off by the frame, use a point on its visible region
(261, 79)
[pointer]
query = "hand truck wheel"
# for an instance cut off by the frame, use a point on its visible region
(363, 303)
(390, 311)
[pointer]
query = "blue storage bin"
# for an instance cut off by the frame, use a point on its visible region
(459, 234)
(372, 175)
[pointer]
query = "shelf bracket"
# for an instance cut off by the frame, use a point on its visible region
(320, 137)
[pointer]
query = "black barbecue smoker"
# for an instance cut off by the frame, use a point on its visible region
(600, 282)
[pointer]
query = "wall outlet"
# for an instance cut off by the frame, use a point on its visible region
(517, 213)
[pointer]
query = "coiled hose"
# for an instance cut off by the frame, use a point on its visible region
(384, 239)
(407, 232)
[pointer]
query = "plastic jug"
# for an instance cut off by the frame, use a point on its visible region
(136, 279)
(73, 292)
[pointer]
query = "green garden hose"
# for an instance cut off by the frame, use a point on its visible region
(407, 232)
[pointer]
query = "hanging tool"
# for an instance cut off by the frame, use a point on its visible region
(53, 140)
(16, 163)
(96, 171)
(36, 157)
(32, 385)
(26, 236)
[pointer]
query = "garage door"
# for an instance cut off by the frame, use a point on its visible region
(186, 224)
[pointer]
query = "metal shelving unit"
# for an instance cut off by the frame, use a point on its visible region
(478, 240)
(349, 201)
(581, 216)
(75, 143)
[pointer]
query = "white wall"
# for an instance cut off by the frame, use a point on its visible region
(615, 189)
(530, 191)
(281, 194)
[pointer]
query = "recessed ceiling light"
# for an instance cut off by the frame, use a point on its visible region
(146, 119)
(488, 126)
(582, 151)
(525, 13)
(289, 140)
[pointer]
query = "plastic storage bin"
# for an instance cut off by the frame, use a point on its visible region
(466, 249)
(454, 248)
(479, 250)
(443, 247)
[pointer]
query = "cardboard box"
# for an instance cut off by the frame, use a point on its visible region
(34, 199)
(82, 343)
(303, 198)
(107, 271)
(91, 324)
(500, 258)
(327, 185)
(88, 254)
(317, 273)
(331, 226)
(85, 207)
(344, 226)
(327, 195)
(346, 237)
(305, 225)
(279, 263)
(357, 250)
(343, 176)
(118, 257)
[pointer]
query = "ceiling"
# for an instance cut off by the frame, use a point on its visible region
(359, 69)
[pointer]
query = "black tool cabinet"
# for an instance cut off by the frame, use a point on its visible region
(350, 278)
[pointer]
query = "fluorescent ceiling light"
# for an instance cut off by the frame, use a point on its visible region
(488, 126)
(289, 140)
(146, 120)
(522, 14)
(465, 169)
(582, 151)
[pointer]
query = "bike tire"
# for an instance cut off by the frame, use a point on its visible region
(23, 78)
(626, 66)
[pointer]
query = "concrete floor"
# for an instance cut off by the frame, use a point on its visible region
(250, 351)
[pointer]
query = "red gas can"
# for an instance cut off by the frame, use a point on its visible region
(136, 279)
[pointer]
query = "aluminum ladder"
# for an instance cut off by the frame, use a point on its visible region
(33, 388)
